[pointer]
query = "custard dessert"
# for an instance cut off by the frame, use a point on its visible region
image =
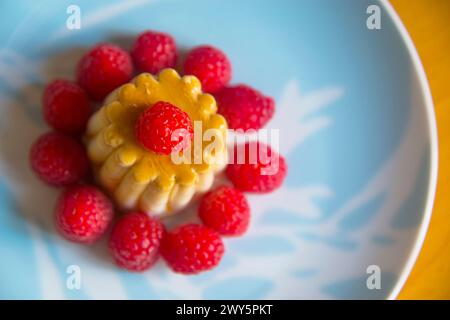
(138, 178)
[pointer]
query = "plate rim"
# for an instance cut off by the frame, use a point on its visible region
(422, 230)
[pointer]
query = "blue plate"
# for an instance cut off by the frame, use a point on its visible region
(356, 125)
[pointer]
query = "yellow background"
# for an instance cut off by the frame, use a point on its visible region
(428, 22)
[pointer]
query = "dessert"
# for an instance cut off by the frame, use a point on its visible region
(156, 142)
(143, 180)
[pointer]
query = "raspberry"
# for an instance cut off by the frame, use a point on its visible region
(192, 248)
(225, 210)
(164, 128)
(259, 169)
(83, 214)
(103, 69)
(135, 240)
(244, 107)
(153, 51)
(58, 160)
(210, 65)
(66, 107)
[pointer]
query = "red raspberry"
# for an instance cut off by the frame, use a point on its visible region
(210, 65)
(225, 210)
(153, 51)
(259, 169)
(83, 214)
(103, 69)
(244, 107)
(135, 240)
(164, 128)
(66, 106)
(192, 248)
(58, 160)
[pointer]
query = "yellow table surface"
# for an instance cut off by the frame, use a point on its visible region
(428, 23)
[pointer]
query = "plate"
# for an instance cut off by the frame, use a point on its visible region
(355, 121)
